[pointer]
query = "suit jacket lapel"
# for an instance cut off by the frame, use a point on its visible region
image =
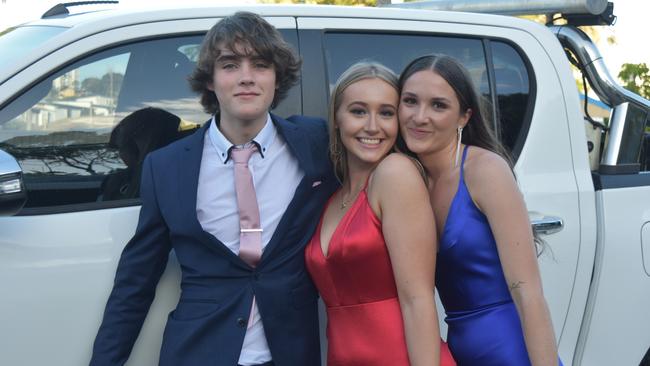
(190, 167)
(297, 142)
(301, 150)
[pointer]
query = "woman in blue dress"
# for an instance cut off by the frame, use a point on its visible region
(487, 274)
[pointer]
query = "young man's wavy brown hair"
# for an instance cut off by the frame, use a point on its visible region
(251, 33)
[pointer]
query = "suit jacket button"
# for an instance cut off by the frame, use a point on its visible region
(241, 322)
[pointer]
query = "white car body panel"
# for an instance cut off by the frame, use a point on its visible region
(620, 293)
(59, 280)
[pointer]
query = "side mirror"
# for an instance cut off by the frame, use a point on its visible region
(12, 189)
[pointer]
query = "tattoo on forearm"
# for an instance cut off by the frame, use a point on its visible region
(516, 285)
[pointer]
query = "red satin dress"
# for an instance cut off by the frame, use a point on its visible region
(355, 280)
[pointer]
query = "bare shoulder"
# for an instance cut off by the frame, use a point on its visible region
(396, 168)
(486, 166)
(396, 175)
(489, 178)
(396, 185)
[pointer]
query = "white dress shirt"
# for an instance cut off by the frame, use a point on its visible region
(276, 175)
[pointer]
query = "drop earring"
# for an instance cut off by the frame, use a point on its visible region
(460, 135)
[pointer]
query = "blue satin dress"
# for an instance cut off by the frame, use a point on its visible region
(484, 327)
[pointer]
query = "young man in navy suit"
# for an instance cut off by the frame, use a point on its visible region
(235, 308)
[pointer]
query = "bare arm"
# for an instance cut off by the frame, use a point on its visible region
(399, 196)
(495, 191)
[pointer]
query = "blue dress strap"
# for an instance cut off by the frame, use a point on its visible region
(462, 162)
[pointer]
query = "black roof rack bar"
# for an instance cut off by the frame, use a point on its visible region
(62, 8)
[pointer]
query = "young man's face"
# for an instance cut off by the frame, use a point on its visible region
(244, 84)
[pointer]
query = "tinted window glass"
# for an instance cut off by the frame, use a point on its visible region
(396, 51)
(635, 139)
(645, 149)
(512, 92)
(81, 134)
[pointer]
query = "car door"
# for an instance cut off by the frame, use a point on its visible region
(515, 74)
(79, 122)
(615, 327)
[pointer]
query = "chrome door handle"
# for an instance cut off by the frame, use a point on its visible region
(547, 225)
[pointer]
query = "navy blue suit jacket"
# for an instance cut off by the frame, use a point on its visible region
(209, 323)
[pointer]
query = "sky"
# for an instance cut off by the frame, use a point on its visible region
(630, 47)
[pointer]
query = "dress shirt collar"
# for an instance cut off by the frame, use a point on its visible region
(222, 145)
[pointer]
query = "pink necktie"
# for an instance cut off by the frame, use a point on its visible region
(250, 232)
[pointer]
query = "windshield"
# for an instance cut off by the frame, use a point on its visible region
(16, 42)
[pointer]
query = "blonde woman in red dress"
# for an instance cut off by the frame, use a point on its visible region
(373, 254)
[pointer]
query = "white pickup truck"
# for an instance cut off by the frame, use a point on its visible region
(69, 201)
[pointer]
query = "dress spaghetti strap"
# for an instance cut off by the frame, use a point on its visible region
(462, 163)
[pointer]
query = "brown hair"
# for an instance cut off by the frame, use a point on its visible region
(255, 34)
(477, 131)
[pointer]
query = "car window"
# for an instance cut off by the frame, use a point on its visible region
(507, 102)
(635, 140)
(644, 158)
(397, 50)
(512, 87)
(81, 133)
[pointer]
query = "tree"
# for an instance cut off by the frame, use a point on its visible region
(636, 78)
(111, 83)
(64, 153)
(91, 86)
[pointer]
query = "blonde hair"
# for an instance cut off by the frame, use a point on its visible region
(357, 72)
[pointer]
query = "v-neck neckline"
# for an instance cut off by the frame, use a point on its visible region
(454, 201)
(339, 226)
